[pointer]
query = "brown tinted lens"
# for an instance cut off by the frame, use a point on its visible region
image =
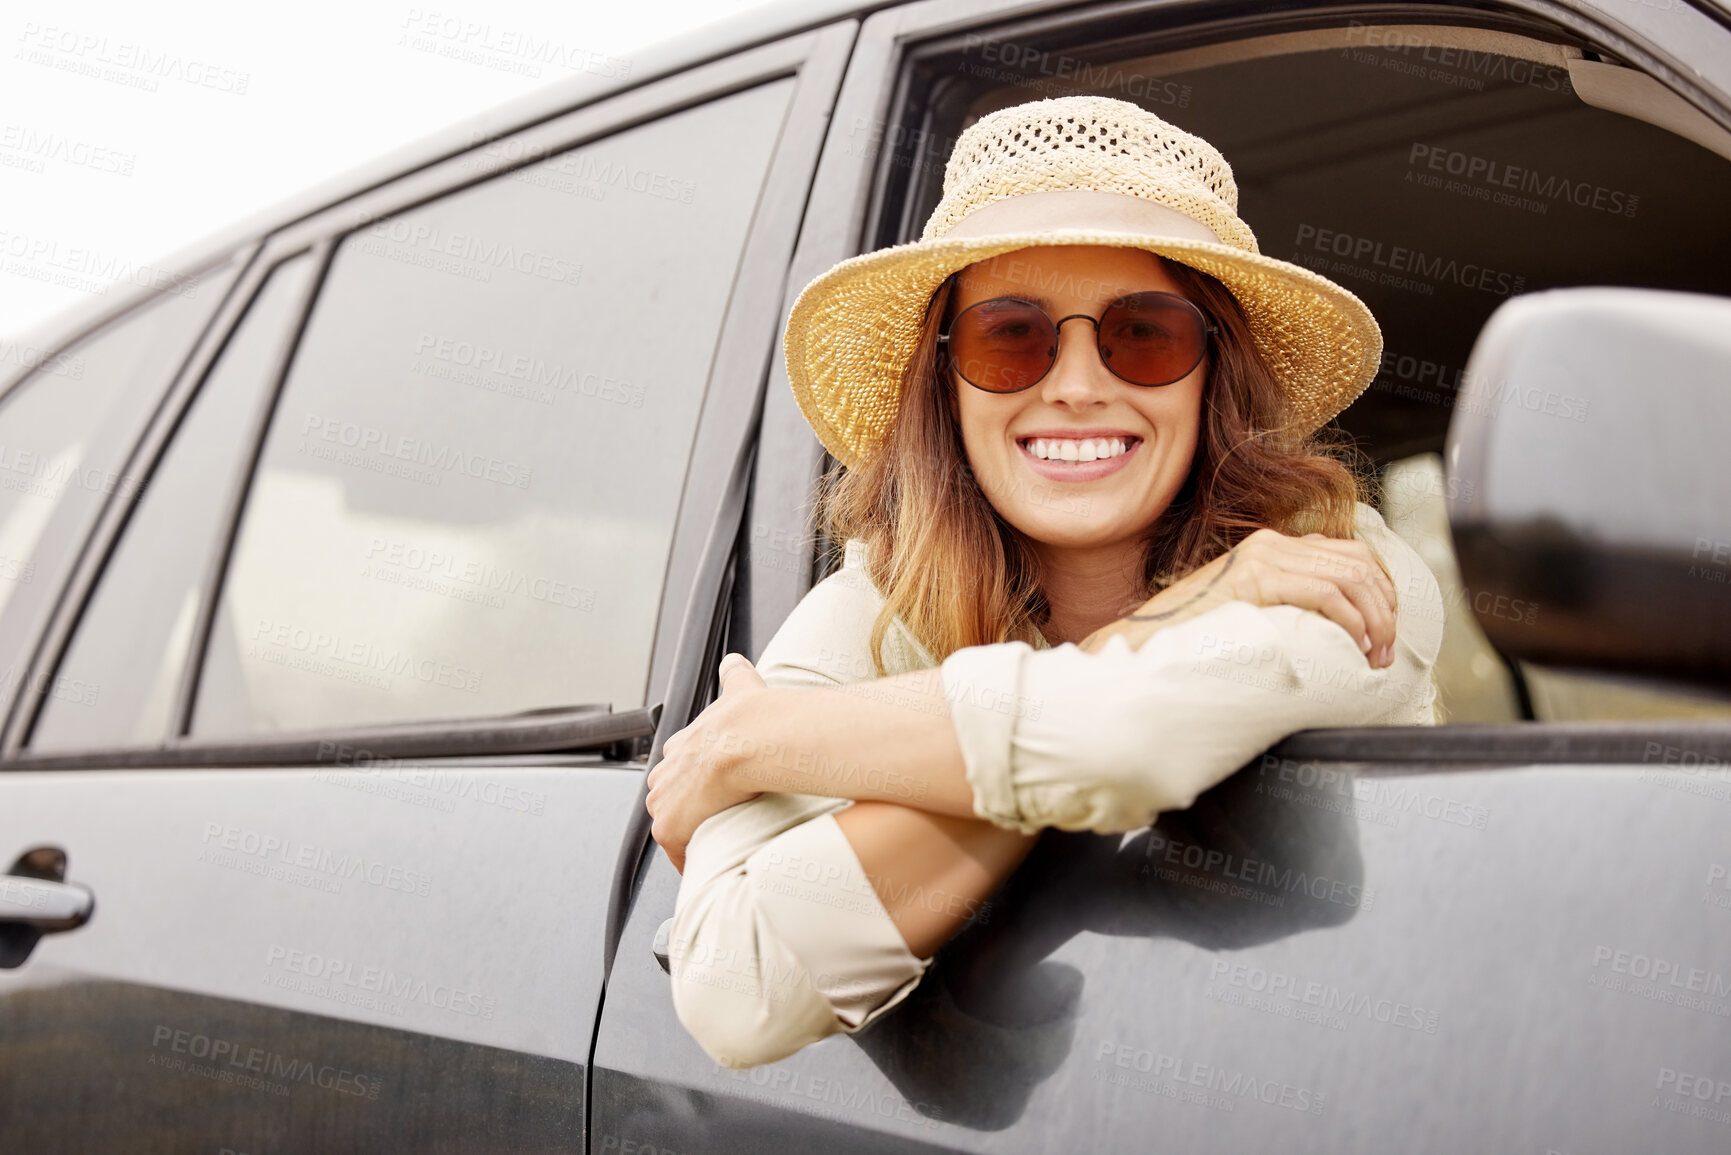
(1002, 345)
(1152, 338)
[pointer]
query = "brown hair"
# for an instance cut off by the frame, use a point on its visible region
(959, 575)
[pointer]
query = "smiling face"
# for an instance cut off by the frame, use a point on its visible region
(1070, 503)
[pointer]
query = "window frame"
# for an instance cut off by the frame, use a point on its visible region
(862, 198)
(82, 321)
(24, 697)
(715, 474)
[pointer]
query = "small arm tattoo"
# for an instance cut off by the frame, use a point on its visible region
(1196, 597)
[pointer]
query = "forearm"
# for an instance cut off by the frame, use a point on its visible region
(885, 740)
(932, 872)
(890, 745)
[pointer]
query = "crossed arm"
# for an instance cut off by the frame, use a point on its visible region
(913, 825)
(916, 825)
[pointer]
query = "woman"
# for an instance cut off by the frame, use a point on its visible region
(1095, 561)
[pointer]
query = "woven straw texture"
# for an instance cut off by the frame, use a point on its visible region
(854, 327)
(1089, 142)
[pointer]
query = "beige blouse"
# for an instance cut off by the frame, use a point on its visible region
(778, 937)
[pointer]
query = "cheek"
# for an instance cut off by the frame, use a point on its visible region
(1177, 415)
(977, 420)
(1179, 421)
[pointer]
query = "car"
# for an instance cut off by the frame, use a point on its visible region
(354, 570)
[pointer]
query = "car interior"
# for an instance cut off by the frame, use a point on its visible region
(1433, 169)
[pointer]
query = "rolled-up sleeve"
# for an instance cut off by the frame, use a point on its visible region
(778, 938)
(1106, 741)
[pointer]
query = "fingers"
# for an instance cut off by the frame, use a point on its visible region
(1372, 608)
(675, 852)
(661, 832)
(1339, 579)
(733, 666)
(1360, 562)
(1326, 598)
(1360, 578)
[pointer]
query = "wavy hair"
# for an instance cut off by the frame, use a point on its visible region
(959, 575)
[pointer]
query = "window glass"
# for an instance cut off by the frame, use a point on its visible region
(120, 673)
(65, 432)
(1581, 696)
(466, 498)
(1473, 681)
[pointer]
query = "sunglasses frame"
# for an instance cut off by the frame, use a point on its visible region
(1209, 330)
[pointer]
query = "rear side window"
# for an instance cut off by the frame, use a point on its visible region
(117, 684)
(466, 498)
(65, 432)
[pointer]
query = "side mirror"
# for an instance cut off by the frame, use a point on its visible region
(1589, 461)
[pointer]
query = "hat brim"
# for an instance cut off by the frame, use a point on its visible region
(853, 328)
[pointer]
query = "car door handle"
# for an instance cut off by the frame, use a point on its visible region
(44, 904)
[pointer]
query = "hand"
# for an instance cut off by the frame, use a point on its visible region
(1341, 579)
(691, 782)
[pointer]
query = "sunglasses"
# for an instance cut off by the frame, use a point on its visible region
(1006, 344)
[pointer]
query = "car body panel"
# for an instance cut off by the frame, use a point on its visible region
(277, 887)
(1312, 958)
(1326, 953)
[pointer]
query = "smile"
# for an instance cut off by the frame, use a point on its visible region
(1083, 459)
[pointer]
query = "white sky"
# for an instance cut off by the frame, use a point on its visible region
(201, 113)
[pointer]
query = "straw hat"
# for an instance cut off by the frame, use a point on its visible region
(1076, 170)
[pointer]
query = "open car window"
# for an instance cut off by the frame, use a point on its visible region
(1435, 171)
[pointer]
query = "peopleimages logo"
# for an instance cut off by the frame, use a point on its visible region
(507, 49)
(388, 446)
(1500, 179)
(1663, 971)
(482, 254)
(1683, 1093)
(122, 62)
(332, 975)
(1661, 980)
(36, 148)
(1026, 66)
(1233, 1086)
(316, 860)
(1403, 264)
(1266, 877)
(273, 639)
(1280, 987)
(87, 270)
(828, 1098)
(240, 1060)
(537, 373)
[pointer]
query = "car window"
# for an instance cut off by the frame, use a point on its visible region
(466, 498)
(117, 682)
(1434, 182)
(65, 432)
(1474, 684)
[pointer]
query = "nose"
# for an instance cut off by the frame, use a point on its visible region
(1078, 376)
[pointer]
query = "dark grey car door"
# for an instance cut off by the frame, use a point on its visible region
(1511, 938)
(385, 638)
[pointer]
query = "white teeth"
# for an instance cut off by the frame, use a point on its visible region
(1092, 449)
